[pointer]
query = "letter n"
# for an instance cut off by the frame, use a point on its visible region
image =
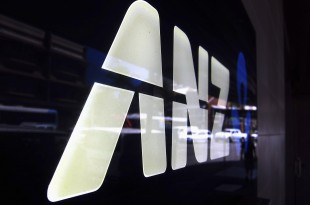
(184, 82)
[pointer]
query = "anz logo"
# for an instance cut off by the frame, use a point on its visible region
(136, 53)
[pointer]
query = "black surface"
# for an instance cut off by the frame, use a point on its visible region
(29, 158)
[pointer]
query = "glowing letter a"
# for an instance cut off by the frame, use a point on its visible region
(135, 52)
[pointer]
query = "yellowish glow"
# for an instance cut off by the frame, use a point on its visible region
(184, 82)
(179, 146)
(203, 73)
(219, 78)
(84, 163)
(136, 53)
(136, 49)
(154, 139)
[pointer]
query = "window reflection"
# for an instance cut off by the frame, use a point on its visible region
(40, 69)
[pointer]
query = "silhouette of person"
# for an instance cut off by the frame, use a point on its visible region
(242, 150)
(249, 157)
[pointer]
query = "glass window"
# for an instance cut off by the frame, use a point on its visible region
(143, 101)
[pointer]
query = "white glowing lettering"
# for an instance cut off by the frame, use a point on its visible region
(136, 53)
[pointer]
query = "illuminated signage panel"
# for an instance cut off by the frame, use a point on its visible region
(153, 139)
(136, 53)
(87, 156)
(136, 49)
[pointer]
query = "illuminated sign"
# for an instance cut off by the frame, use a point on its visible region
(136, 53)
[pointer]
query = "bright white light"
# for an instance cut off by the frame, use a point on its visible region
(219, 107)
(183, 90)
(248, 107)
(178, 119)
(160, 118)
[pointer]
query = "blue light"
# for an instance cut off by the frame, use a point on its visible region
(242, 89)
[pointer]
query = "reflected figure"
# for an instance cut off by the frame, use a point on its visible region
(249, 157)
(242, 148)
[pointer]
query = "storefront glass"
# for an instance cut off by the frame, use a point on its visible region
(137, 101)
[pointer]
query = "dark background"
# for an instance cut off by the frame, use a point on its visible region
(56, 68)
